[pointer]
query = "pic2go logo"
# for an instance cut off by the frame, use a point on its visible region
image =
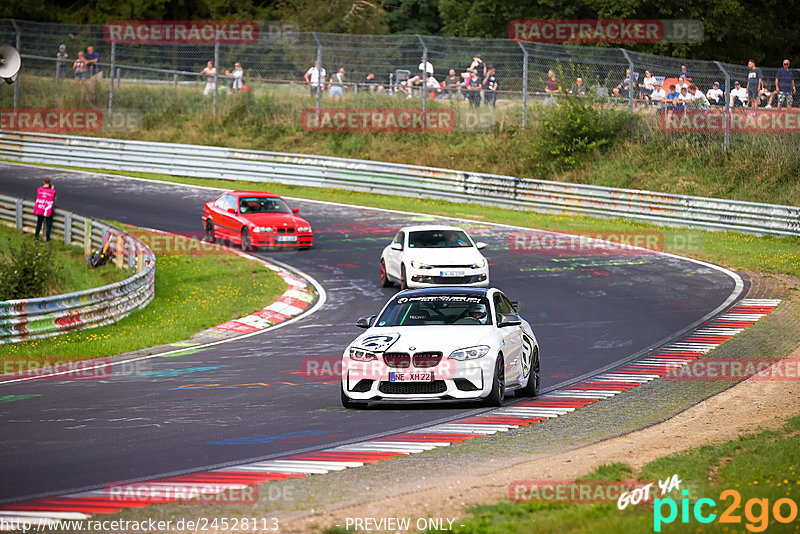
(756, 511)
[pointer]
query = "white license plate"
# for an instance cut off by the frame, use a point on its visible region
(286, 239)
(450, 274)
(410, 377)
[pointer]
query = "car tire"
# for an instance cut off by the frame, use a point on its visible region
(403, 281)
(498, 393)
(349, 403)
(210, 237)
(247, 243)
(385, 281)
(531, 389)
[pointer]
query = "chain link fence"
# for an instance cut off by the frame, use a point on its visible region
(280, 58)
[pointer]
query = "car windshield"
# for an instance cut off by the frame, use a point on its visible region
(438, 239)
(436, 310)
(263, 205)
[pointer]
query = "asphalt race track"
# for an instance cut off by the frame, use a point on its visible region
(249, 399)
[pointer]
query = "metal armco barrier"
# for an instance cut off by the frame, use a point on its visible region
(36, 318)
(406, 180)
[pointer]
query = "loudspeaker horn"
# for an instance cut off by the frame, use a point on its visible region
(9, 63)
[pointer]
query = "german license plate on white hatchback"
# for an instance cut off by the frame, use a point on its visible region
(410, 377)
(451, 274)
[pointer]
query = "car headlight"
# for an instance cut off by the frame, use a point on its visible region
(362, 355)
(303, 228)
(470, 353)
(479, 264)
(263, 229)
(419, 265)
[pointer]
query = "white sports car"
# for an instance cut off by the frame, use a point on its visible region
(430, 256)
(442, 344)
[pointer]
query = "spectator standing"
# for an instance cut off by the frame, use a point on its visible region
(478, 65)
(624, 86)
(62, 52)
(715, 95)
(80, 67)
(474, 90)
(336, 85)
(552, 88)
(210, 71)
(237, 74)
(684, 73)
(578, 88)
(784, 84)
(738, 95)
(755, 83)
(43, 207)
(315, 78)
(93, 60)
(452, 83)
(490, 85)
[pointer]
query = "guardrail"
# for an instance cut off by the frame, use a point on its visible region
(36, 318)
(406, 180)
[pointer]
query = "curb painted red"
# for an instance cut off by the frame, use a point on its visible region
(551, 405)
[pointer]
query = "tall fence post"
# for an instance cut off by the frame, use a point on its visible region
(727, 142)
(19, 49)
(216, 74)
(630, 90)
(87, 237)
(320, 87)
(524, 84)
(113, 70)
(68, 228)
(424, 79)
(18, 214)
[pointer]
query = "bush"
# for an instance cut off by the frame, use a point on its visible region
(27, 271)
(572, 129)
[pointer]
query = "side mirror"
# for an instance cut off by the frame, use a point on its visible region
(480, 245)
(231, 210)
(296, 210)
(365, 321)
(509, 319)
(396, 246)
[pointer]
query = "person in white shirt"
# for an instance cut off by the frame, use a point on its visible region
(315, 78)
(738, 95)
(699, 100)
(237, 74)
(715, 95)
(648, 85)
(209, 71)
(659, 96)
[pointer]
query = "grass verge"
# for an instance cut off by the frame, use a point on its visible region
(762, 466)
(192, 293)
(779, 255)
(72, 273)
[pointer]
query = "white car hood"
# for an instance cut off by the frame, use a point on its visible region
(444, 339)
(446, 256)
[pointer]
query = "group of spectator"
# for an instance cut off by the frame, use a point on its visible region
(476, 84)
(237, 81)
(86, 65)
(685, 94)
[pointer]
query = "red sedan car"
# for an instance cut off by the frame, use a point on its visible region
(255, 219)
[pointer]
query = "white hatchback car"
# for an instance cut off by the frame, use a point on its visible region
(434, 344)
(431, 256)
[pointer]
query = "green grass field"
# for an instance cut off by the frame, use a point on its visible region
(73, 273)
(192, 293)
